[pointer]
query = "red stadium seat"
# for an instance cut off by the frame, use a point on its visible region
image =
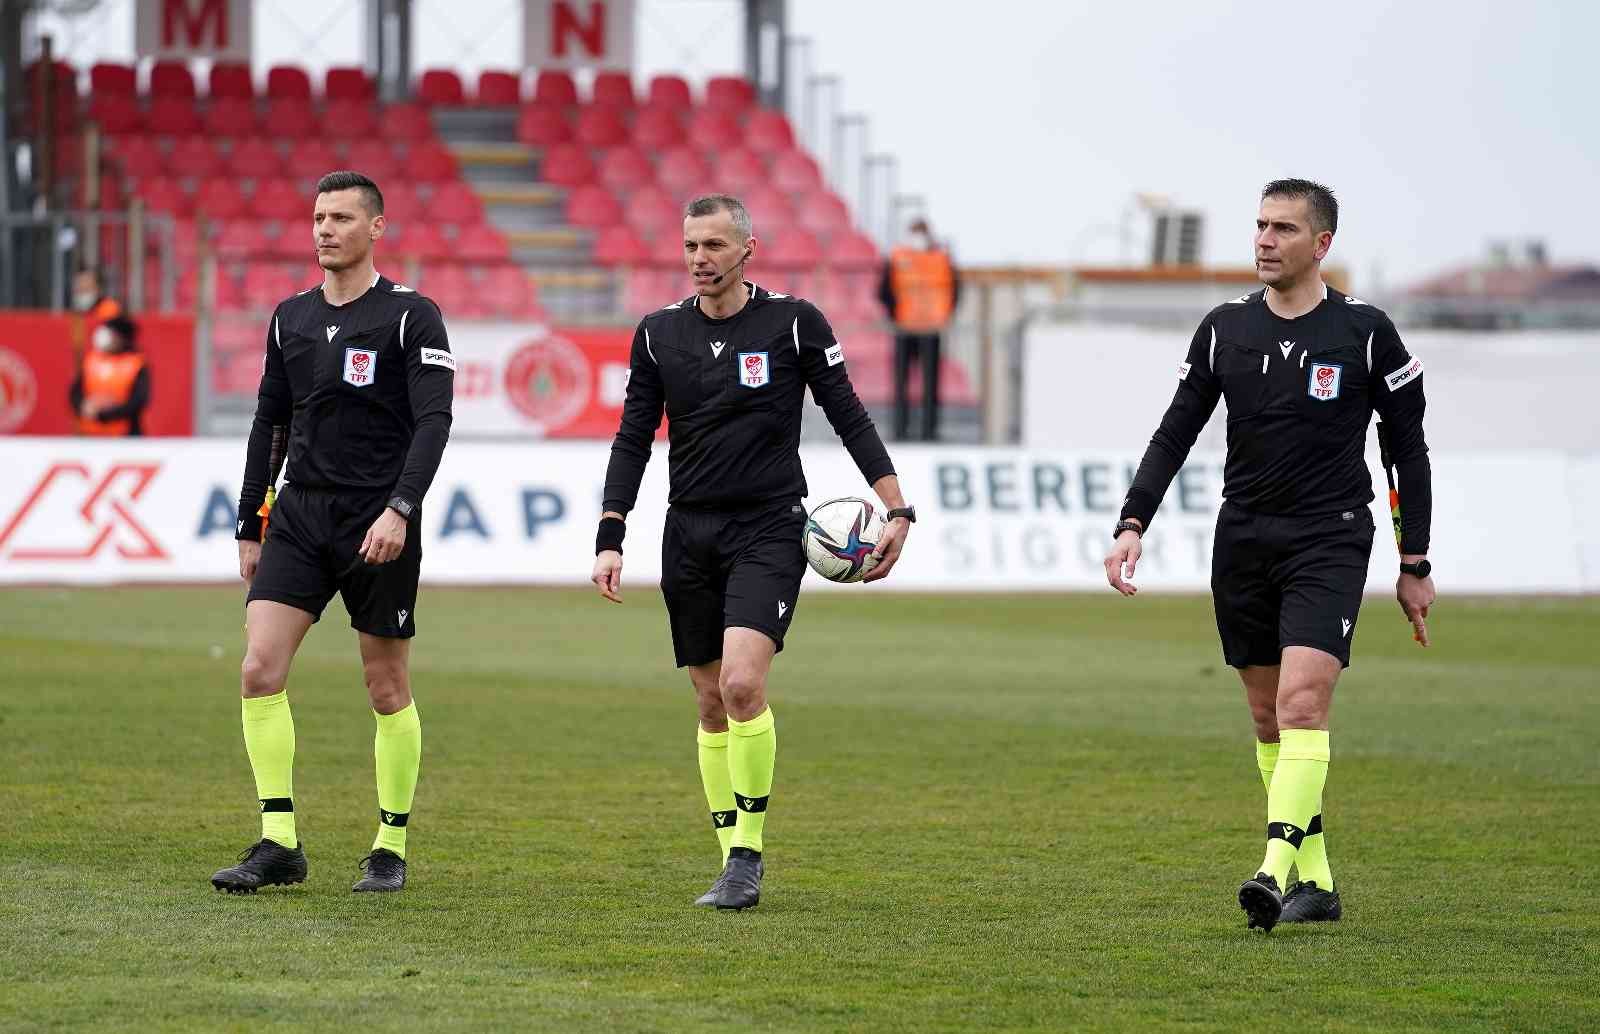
(165, 195)
(231, 79)
(652, 212)
(823, 213)
(769, 207)
(138, 156)
(452, 288)
(314, 158)
(601, 127)
(454, 201)
(658, 128)
(109, 80)
(499, 89)
(171, 79)
(220, 200)
(423, 240)
(730, 93)
(229, 297)
(295, 240)
(543, 125)
(172, 116)
(195, 157)
(441, 86)
(267, 284)
(593, 207)
(280, 200)
(429, 161)
(481, 243)
(625, 169)
(116, 114)
(620, 246)
(670, 91)
(402, 204)
(348, 120)
(290, 118)
(768, 132)
(792, 249)
(286, 82)
(63, 90)
(739, 170)
(613, 89)
(713, 130)
(683, 172)
(407, 122)
(553, 87)
(374, 158)
(509, 292)
(566, 165)
(852, 251)
(243, 238)
(349, 84)
(795, 172)
(230, 116)
(666, 250)
(255, 158)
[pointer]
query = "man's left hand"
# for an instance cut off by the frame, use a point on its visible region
(889, 547)
(1415, 596)
(385, 539)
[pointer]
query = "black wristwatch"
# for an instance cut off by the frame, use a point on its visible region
(403, 507)
(1123, 526)
(908, 512)
(1422, 568)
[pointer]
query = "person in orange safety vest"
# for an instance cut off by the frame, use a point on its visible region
(112, 387)
(919, 289)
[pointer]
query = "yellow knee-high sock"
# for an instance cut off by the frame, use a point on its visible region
(1266, 761)
(397, 748)
(1312, 859)
(718, 784)
(1297, 782)
(269, 740)
(752, 751)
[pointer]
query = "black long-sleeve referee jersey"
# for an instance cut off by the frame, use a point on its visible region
(1300, 395)
(365, 388)
(732, 389)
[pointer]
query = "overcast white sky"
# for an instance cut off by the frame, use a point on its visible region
(1029, 124)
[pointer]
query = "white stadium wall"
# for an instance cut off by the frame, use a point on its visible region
(76, 511)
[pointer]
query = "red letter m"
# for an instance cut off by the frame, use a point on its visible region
(564, 21)
(176, 16)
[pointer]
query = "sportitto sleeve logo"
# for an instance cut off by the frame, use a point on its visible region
(72, 514)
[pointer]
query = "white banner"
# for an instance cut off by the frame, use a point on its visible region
(578, 34)
(217, 29)
(81, 511)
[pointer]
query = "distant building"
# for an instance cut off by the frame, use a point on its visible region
(1505, 294)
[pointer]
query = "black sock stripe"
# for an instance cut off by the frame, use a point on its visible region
(723, 819)
(751, 804)
(1316, 826)
(1286, 831)
(277, 804)
(395, 819)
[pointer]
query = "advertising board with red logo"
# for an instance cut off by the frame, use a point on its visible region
(547, 382)
(39, 356)
(81, 511)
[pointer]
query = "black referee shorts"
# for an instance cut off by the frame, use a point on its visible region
(738, 569)
(1288, 581)
(311, 552)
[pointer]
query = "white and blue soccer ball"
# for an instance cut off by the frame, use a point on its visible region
(840, 537)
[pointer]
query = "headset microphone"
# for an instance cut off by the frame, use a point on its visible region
(742, 260)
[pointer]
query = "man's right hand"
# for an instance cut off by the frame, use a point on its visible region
(607, 575)
(1122, 560)
(249, 557)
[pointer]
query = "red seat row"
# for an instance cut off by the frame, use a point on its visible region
(613, 90)
(285, 200)
(784, 248)
(231, 80)
(472, 290)
(681, 170)
(144, 157)
(653, 128)
(235, 117)
(652, 212)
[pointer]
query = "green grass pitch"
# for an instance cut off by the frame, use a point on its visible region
(991, 812)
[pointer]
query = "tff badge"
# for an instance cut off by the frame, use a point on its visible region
(360, 366)
(755, 370)
(1323, 383)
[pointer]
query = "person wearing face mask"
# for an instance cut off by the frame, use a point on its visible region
(89, 297)
(112, 387)
(919, 289)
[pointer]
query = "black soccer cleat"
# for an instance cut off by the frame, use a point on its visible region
(1262, 902)
(1308, 903)
(739, 886)
(385, 871)
(709, 898)
(265, 863)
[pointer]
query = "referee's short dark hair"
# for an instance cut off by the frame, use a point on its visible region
(1324, 206)
(371, 196)
(711, 204)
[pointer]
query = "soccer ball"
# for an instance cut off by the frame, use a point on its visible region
(840, 537)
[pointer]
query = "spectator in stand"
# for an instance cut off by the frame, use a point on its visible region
(112, 387)
(89, 297)
(920, 290)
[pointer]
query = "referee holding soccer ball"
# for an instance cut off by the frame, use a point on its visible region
(729, 365)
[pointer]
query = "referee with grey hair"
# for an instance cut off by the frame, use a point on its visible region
(730, 365)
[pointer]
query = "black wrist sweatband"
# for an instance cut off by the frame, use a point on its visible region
(612, 530)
